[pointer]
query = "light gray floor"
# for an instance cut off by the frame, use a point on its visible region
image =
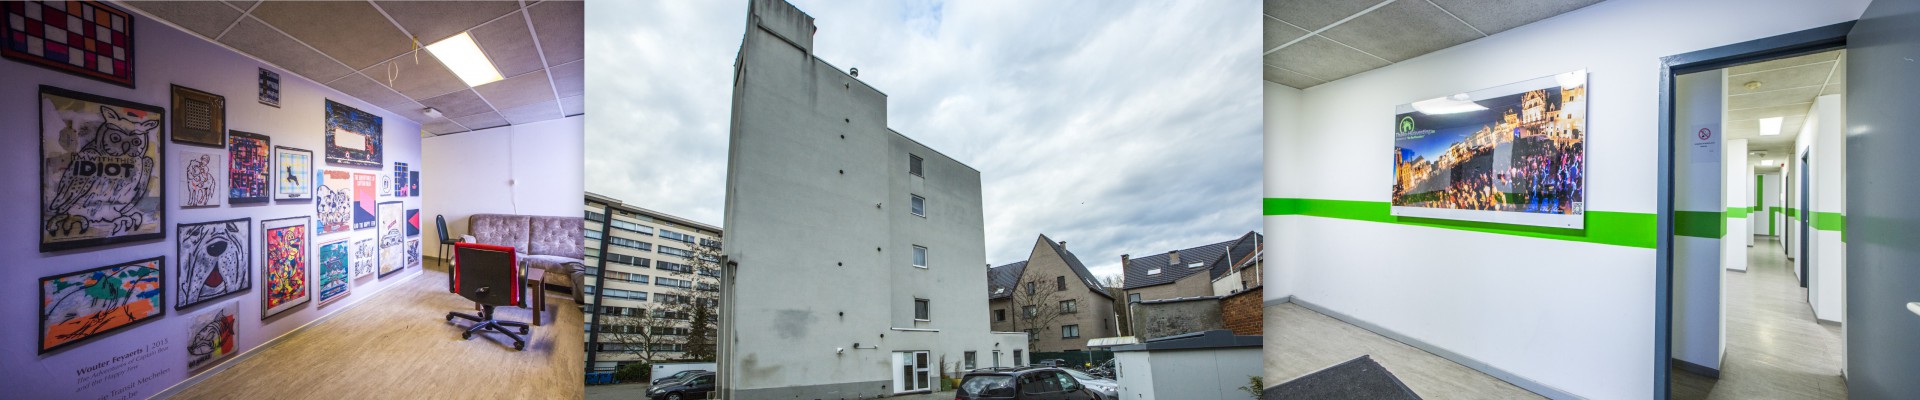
(624, 391)
(1300, 341)
(1775, 349)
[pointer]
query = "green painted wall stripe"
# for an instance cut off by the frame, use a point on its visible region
(1700, 224)
(1827, 221)
(1736, 212)
(1602, 227)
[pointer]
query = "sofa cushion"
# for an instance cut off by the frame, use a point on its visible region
(557, 236)
(499, 230)
(573, 269)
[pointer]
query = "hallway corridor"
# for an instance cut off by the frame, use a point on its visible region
(1775, 349)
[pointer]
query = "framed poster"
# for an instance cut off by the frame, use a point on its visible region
(284, 280)
(86, 38)
(413, 183)
(210, 337)
(391, 239)
(204, 178)
(101, 170)
(333, 202)
(88, 304)
(413, 252)
(333, 271)
(353, 136)
(399, 179)
(250, 169)
(199, 118)
(364, 257)
(1513, 154)
(363, 201)
(269, 88)
(413, 222)
(215, 260)
(294, 173)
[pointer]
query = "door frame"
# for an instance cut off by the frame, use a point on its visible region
(1806, 223)
(1787, 45)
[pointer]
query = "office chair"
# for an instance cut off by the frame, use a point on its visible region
(488, 275)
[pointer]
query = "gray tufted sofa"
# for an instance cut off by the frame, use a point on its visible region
(555, 244)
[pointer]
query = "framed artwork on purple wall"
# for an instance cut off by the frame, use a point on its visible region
(101, 170)
(250, 173)
(84, 305)
(86, 38)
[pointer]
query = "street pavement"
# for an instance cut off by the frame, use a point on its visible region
(625, 391)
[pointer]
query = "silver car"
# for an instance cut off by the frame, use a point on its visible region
(1108, 389)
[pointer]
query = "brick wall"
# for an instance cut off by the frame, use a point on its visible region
(1242, 312)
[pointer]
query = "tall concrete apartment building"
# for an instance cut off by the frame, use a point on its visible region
(854, 254)
(1052, 296)
(648, 256)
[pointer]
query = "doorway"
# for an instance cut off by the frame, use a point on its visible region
(911, 371)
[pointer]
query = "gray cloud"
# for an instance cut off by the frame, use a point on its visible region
(1120, 127)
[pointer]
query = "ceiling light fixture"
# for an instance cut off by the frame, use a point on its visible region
(1766, 163)
(1458, 103)
(1770, 126)
(463, 56)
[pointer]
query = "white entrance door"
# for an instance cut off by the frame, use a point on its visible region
(910, 371)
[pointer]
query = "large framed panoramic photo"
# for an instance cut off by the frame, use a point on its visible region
(1513, 154)
(101, 164)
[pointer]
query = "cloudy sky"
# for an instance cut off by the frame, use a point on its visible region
(1119, 127)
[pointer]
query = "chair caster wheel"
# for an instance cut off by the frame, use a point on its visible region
(466, 335)
(449, 317)
(519, 345)
(524, 331)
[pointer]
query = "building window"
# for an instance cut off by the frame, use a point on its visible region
(627, 259)
(1069, 331)
(670, 282)
(636, 228)
(710, 243)
(914, 165)
(920, 312)
(596, 217)
(626, 277)
(1060, 283)
(670, 250)
(671, 235)
(630, 243)
(1000, 314)
(617, 293)
(673, 266)
(1133, 298)
(919, 205)
(1155, 271)
(593, 234)
(969, 360)
(919, 256)
(1016, 358)
(1030, 311)
(1069, 307)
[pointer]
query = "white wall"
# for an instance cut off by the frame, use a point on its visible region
(1823, 140)
(1699, 334)
(531, 169)
(1576, 317)
(164, 56)
(1282, 120)
(1738, 195)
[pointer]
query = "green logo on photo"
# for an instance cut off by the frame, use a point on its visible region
(1406, 124)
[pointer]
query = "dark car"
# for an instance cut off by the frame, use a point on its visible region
(691, 387)
(1027, 384)
(677, 376)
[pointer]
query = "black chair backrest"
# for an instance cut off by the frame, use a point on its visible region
(486, 274)
(440, 221)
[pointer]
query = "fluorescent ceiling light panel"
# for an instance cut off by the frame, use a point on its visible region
(463, 56)
(1770, 126)
(1447, 105)
(1766, 163)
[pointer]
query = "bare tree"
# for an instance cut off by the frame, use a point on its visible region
(636, 331)
(697, 303)
(1036, 304)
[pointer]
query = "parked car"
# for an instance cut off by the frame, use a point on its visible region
(1108, 389)
(1057, 362)
(692, 387)
(677, 376)
(1027, 384)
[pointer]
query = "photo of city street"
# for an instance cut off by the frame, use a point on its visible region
(1521, 152)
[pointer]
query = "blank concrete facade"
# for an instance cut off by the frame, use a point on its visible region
(819, 214)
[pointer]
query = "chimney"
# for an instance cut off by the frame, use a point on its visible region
(1123, 262)
(1173, 257)
(1063, 244)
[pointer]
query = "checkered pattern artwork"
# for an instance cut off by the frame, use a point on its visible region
(86, 38)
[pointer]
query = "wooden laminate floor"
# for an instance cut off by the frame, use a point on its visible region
(400, 346)
(1775, 349)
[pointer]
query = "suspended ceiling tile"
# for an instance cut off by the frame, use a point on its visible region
(458, 104)
(571, 106)
(535, 112)
(1834, 89)
(1321, 58)
(242, 4)
(1315, 14)
(1772, 98)
(1275, 33)
(431, 21)
(1766, 112)
(1495, 16)
(441, 126)
(559, 25)
(1402, 30)
(351, 31)
(518, 91)
(482, 120)
(509, 45)
(417, 77)
(379, 95)
(202, 17)
(1795, 61)
(1784, 78)
(1291, 79)
(255, 38)
(570, 78)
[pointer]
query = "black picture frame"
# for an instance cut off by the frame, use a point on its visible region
(158, 193)
(40, 61)
(306, 268)
(180, 263)
(160, 267)
(234, 194)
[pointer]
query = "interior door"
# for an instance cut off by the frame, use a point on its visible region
(1806, 219)
(1883, 260)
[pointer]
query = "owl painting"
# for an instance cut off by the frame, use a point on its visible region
(100, 171)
